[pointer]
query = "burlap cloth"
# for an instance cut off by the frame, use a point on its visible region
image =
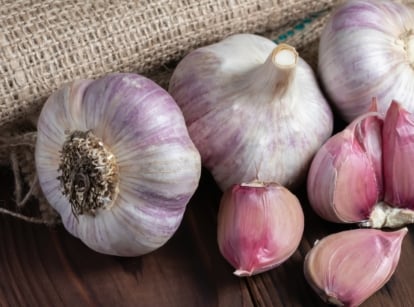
(44, 44)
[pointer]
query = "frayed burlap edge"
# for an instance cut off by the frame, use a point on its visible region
(17, 151)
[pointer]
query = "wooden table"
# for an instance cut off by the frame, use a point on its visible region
(42, 266)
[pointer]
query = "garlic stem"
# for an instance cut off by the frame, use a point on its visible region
(284, 56)
(278, 73)
(383, 215)
(88, 173)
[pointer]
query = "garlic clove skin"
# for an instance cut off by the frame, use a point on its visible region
(346, 268)
(398, 151)
(253, 109)
(360, 174)
(260, 226)
(345, 177)
(133, 123)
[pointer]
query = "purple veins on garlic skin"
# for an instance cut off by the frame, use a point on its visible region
(353, 68)
(114, 158)
(253, 110)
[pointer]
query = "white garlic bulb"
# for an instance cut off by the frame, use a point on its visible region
(253, 109)
(114, 158)
(367, 50)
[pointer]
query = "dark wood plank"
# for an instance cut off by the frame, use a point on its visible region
(286, 286)
(43, 266)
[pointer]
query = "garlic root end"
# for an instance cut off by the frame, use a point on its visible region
(383, 215)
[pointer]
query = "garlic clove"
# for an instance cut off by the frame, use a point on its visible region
(345, 177)
(260, 225)
(398, 151)
(360, 174)
(348, 267)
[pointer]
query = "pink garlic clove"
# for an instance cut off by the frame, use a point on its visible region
(260, 225)
(348, 267)
(345, 177)
(398, 151)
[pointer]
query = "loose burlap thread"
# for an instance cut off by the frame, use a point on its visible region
(47, 43)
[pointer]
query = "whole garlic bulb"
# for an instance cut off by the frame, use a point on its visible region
(367, 49)
(114, 158)
(253, 110)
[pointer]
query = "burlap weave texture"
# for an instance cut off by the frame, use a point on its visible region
(46, 43)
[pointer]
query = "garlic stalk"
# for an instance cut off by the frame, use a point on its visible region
(253, 109)
(114, 158)
(362, 174)
(353, 68)
(260, 226)
(346, 268)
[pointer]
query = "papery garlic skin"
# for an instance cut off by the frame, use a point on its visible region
(260, 226)
(353, 68)
(362, 174)
(252, 110)
(158, 167)
(398, 151)
(346, 268)
(345, 177)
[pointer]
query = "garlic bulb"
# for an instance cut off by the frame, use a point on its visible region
(353, 68)
(358, 175)
(260, 226)
(253, 110)
(346, 268)
(114, 158)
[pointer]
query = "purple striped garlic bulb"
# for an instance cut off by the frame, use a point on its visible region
(367, 49)
(114, 158)
(253, 109)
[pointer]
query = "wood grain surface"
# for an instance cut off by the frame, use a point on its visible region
(43, 266)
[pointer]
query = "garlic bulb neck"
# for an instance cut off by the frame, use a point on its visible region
(408, 42)
(284, 57)
(88, 173)
(279, 71)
